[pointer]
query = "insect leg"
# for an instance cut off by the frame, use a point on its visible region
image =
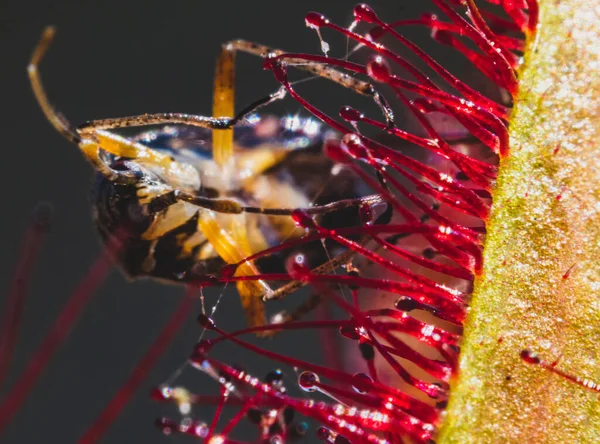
(229, 206)
(215, 123)
(304, 308)
(157, 119)
(319, 70)
(318, 209)
(224, 100)
(314, 299)
(224, 105)
(301, 310)
(327, 267)
(229, 237)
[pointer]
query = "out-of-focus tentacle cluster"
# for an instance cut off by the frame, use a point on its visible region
(426, 254)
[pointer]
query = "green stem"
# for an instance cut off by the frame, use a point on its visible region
(545, 221)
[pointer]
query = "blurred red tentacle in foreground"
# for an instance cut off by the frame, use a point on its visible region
(116, 405)
(62, 327)
(13, 310)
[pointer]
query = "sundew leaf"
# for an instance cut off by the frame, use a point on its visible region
(539, 289)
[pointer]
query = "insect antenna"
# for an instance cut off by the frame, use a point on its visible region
(57, 120)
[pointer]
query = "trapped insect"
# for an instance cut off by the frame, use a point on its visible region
(193, 194)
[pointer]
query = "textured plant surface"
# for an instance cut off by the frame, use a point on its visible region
(540, 284)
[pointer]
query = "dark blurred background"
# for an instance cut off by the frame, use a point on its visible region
(114, 58)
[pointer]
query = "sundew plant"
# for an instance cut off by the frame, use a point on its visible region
(465, 279)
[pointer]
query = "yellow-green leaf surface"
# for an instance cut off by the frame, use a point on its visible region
(540, 287)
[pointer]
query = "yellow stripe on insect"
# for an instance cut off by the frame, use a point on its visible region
(223, 105)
